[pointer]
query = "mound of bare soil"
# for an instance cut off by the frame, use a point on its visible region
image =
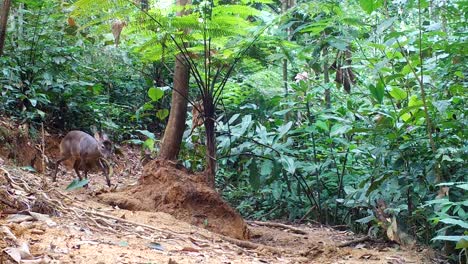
(170, 188)
(16, 145)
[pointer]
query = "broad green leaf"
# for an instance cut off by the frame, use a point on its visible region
(414, 101)
(149, 143)
(322, 125)
(263, 134)
(370, 5)
(424, 4)
(147, 133)
(377, 92)
(451, 238)
(245, 124)
(288, 164)
(442, 201)
(462, 243)
(398, 93)
(40, 113)
(366, 219)
(338, 44)
(76, 183)
(233, 119)
(452, 221)
(276, 190)
(266, 168)
(33, 102)
(282, 130)
(162, 114)
(155, 93)
(339, 129)
(282, 112)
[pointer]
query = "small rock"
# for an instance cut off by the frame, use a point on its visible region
(139, 229)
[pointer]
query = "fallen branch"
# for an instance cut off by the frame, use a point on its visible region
(250, 245)
(354, 241)
(272, 224)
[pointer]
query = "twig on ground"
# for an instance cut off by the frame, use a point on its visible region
(354, 241)
(272, 224)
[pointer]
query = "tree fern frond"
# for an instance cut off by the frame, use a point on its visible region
(93, 7)
(239, 10)
(245, 2)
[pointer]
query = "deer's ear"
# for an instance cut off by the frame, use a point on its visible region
(105, 137)
(97, 136)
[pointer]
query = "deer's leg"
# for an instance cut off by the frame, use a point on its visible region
(76, 166)
(85, 167)
(54, 178)
(105, 169)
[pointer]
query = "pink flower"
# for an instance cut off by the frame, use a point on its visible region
(303, 76)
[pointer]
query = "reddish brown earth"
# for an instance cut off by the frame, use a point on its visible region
(170, 188)
(159, 214)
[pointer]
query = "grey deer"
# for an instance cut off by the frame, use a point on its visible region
(87, 151)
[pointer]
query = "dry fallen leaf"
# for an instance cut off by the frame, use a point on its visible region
(14, 254)
(43, 218)
(19, 253)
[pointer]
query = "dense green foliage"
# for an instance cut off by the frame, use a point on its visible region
(390, 141)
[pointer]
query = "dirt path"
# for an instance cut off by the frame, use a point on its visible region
(86, 231)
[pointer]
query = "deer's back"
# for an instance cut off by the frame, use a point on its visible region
(78, 144)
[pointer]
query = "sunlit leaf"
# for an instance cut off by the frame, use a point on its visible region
(155, 93)
(398, 93)
(370, 5)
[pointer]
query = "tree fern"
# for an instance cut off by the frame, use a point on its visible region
(238, 10)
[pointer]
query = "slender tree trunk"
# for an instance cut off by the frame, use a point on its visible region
(174, 132)
(3, 23)
(210, 170)
(326, 77)
(285, 5)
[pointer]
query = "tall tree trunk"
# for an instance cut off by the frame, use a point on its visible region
(3, 23)
(174, 132)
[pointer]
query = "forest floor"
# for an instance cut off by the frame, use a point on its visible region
(77, 227)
